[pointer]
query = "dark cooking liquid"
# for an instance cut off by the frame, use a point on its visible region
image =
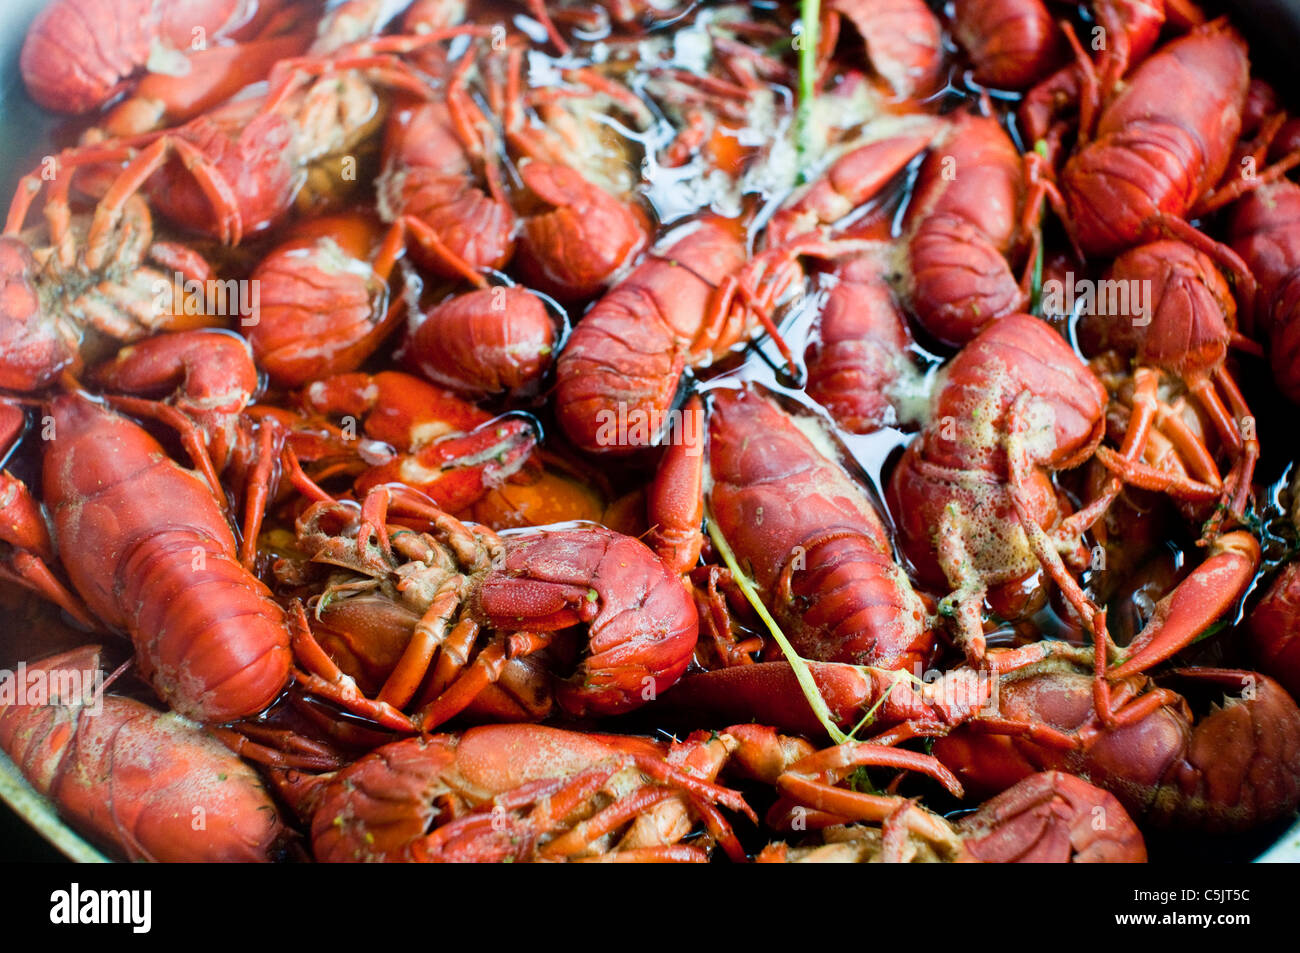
(674, 196)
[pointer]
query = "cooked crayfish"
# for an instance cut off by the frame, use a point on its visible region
(148, 784)
(1166, 767)
(522, 793)
(147, 546)
(408, 596)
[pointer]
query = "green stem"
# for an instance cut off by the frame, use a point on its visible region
(802, 672)
(810, 17)
(1036, 293)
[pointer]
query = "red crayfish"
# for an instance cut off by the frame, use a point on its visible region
(148, 784)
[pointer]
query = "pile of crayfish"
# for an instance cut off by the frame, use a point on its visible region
(653, 432)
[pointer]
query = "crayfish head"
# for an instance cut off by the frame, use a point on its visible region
(572, 249)
(1166, 304)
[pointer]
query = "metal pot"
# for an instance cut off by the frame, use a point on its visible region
(1272, 26)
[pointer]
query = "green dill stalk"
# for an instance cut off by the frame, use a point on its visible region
(1036, 293)
(1212, 630)
(870, 716)
(801, 670)
(810, 16)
